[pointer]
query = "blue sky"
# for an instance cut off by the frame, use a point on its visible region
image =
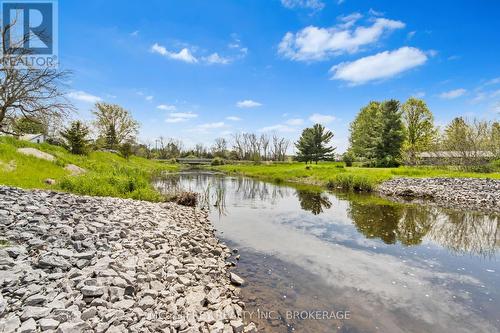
(197, 70)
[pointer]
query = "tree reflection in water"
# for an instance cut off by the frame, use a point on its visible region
(312, 201)
(372, 216)
(460, 231)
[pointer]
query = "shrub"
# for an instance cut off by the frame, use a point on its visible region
(217, 161)
(187, 198)
(348, 159)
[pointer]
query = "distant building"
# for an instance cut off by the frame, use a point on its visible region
(444, 157)
(35, 138)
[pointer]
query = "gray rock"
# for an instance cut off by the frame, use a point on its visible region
(74, 327)
(10, 325)
(236, 280)
(48, 324)
(92, 291)
(51, 261)
(29, 326)
(146, 302)
(35, 312)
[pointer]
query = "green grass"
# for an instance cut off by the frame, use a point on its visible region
(335, 175)
(107, 174)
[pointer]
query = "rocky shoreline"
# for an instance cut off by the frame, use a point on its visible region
(463, 193)
(85, 264)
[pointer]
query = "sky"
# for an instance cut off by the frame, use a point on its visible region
(196, 70)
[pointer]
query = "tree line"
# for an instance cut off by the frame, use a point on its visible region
(389, 134)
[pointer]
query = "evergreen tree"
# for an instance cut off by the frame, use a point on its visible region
(365, 132)
(76, 137)
(313, 144)
(111, 139)
(392, 134)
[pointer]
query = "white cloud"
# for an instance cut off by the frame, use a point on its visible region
(134, 33)
(321, 118)
(419, 94)
(207, 126)
(84, 97)
(166, 107)
(247, 104)
(379, 66)
(185, 115)
(215, 58)
(183, 55)
(374, 12)
(175, 120)
(453, 93)
(278, 128)
(311, 4)
(149, 98)
(295, 122)
(178, 117)
(233, 118)
(314, 43)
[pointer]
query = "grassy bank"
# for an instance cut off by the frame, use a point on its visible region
(108, 174)
(335, 175)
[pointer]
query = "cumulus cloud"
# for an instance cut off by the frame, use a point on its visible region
(233, 118)
(149, 98)
(311, 4)
(215, 58)
(247, 104)
(166, 107)
(316, 43)
(382, 65)
(84, 97)
(183, 55)
(453, 93)
(321, 118)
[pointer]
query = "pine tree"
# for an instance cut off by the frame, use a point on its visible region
(392, 134)
(76, 137)
(111, 139)
(313, 144)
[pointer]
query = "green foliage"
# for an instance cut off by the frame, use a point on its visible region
(107, 174)
(348, 158)
(377, 134)
(420, 129)
(75, 138)
(115, 123)
(217, 161)
(126, 150)
(328, 174)
(392, 134)
(111, 139)
(313, 144)
(29, 126)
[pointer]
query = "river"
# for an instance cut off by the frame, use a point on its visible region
(319, 262)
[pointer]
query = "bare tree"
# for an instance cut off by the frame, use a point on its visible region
(264, 143)
(219, 149)
(26, 91)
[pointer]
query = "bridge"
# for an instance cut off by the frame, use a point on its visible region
(194, 161)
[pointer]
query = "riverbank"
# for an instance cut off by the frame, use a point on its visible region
(333, 175)
(462, 193)
(44, 166)
(70, 263)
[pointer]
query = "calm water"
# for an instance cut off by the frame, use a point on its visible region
(386, 267)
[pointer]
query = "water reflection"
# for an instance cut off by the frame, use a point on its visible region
(374, 217)
(397, 267)
(313, 201)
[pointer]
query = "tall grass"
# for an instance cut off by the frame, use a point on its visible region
(107, 174)
(334, 175)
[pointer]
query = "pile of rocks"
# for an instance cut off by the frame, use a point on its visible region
(85, 264)
(467, 193)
